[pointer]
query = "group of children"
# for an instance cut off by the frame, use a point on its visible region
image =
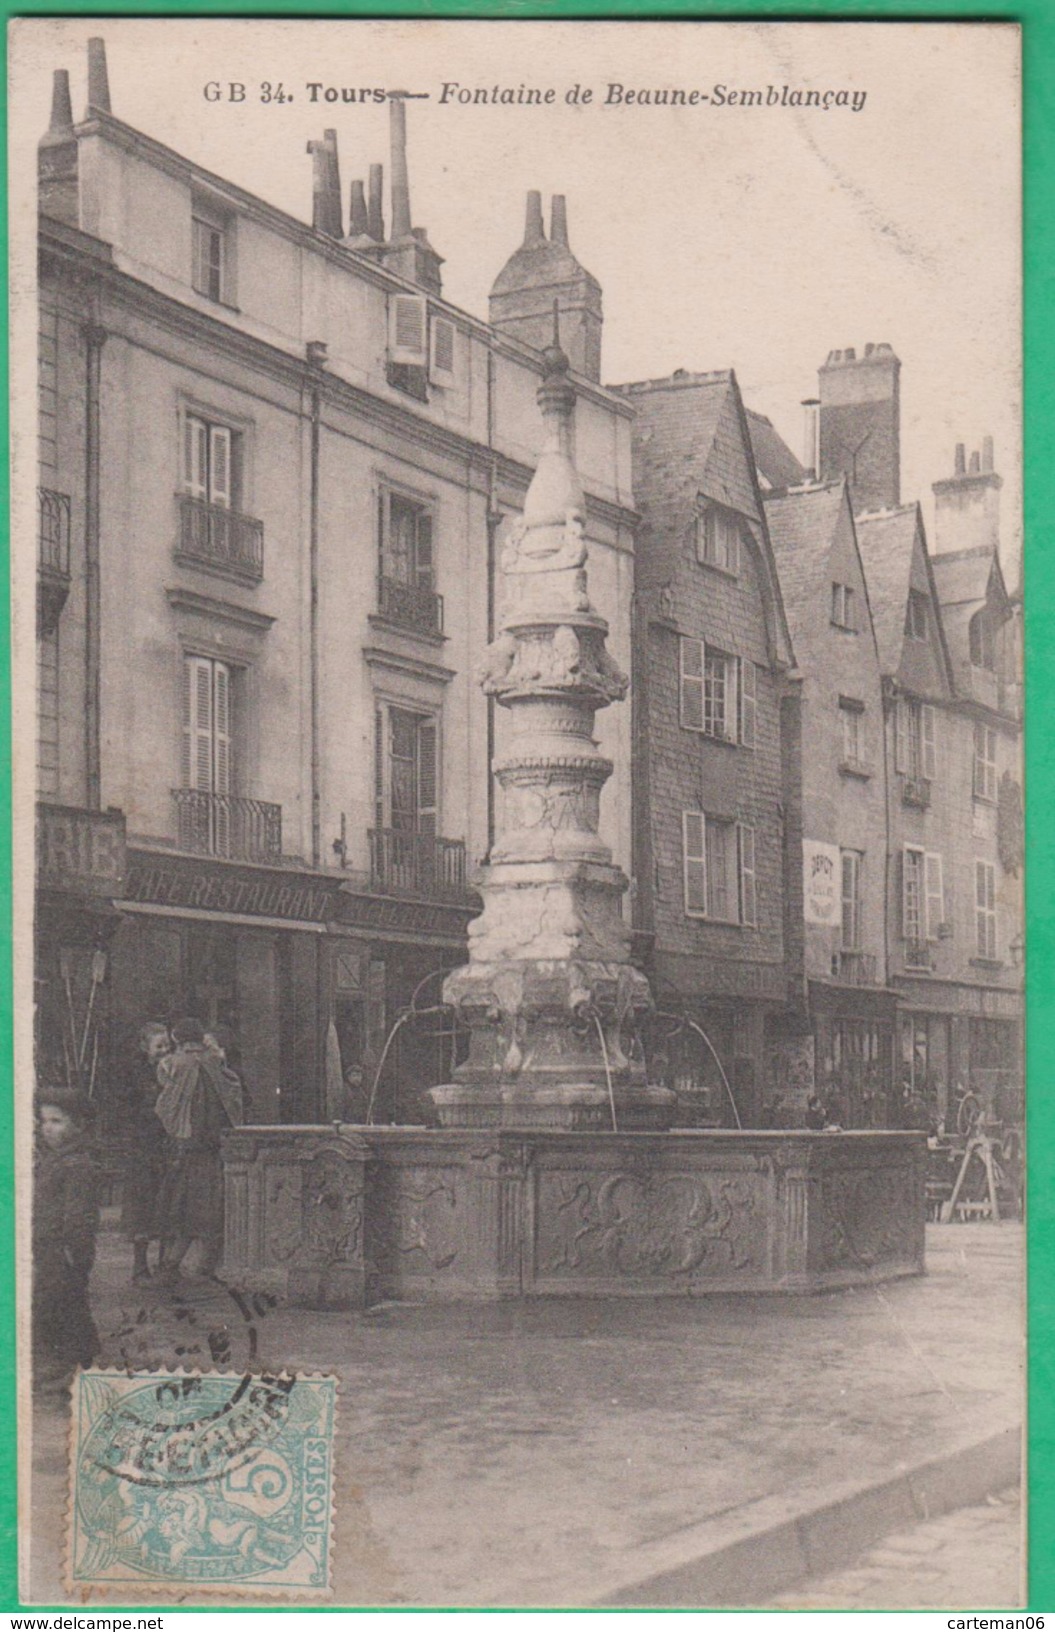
(182, 1097)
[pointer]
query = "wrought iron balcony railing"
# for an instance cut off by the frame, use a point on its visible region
(915, 792)
(220, 538)
(411, 606)
(53, 532)
(417, 864)
(218, 824)
(917, 955)
(854, 968)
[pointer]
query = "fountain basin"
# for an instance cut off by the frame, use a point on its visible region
(342, 1216)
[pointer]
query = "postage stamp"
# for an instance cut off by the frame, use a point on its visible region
(203, 1481)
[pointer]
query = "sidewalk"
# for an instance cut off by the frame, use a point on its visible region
(558, 1453)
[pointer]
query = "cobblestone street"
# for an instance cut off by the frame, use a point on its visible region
(971, 1559)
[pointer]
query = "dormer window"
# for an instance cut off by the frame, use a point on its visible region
(844, 614)
(718, 539)
(212, 259)
(916, 615)
(982, 636)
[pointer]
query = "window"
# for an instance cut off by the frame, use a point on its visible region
(843, 610)
(984, 763)
(406, 566)
(711, 689)
(852, 861)
(210, 272)
(212, 462)
(916, 615)
(718, 539)
(850, 717)
(985, 908)
(915, 751)
(923, 896)
(406, 772)
(982, 636)
(442, 341)
(719, 869)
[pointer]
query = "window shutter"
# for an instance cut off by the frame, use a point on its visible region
(695, 863)
(424, 572)
(748, 702)
(748, 891)
(196, 457)
(441, 366)
(849, 615)
(733, 561)
(928, 747)
(197, 767)
(427, 777)
(220, 466)
(901, 734)
(407, 329)
(935, 895)
(222, 733)
(692, 684)
(379, 767)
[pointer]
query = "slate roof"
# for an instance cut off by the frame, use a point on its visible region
(774, 458)
(688, 440)
(962, 576)
(801, 529)
(885, 539)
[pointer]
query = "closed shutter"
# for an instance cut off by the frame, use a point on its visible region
(197, 766)
(935, 895)
(441, 369)
(748, 890)
(928, 744)
(694, 861)
(692, 684)
(379, 768)
(748, 702)
(222, 778)
(407, 329)
(196, 457)
(220, 484)
(427, 778)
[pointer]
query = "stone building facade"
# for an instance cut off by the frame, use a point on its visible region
(275, 467)
(715, 702)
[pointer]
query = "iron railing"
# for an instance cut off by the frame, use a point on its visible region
(854, 968)
(218, 824)
(917, 955)
(53, 532)
(915, 792)
(411, 606)
(417, 864)
(219, 537)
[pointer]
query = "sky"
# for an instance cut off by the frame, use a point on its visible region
(758, 238)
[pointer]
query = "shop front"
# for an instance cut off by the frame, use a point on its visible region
(853, 1045)
(957, 1043)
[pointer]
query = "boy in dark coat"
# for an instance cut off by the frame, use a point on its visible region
(65, 1221)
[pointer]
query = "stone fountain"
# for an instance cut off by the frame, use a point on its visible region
(554, 1169)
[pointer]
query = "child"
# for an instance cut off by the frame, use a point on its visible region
(65, 1220)
(145, 1167)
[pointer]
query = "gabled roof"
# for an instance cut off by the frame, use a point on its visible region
(963, 577)
(776, 463)
(690, 425)
(887, 541)
(801, 528)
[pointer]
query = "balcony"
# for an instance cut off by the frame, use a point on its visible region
(917, 956)
(218, 824)
(220, 540)
(417, 864)
(854, 968)
(915, 792)
(53, 557)
(410, 606)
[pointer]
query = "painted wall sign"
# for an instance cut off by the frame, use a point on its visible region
(820, 882)
(81, 850)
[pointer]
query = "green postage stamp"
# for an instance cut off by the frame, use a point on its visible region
(206, 1481)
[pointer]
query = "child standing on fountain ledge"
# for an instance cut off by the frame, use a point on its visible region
(65, 1221)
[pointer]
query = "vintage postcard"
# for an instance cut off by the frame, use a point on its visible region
(518, 805)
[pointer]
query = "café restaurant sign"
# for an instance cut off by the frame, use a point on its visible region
(820, 882)
(80, 850)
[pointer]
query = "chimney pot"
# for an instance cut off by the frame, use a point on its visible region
(315, 352)
(358, 226)
(987, 453)
(869, 348)
(850, 355)
(961, 460)
(401, 217)
(558, 219)
(98, 77)
(375, 209)
(61, 106)
(974, 463)
(534, 231)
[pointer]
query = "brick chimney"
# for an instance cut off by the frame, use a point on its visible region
(967, 503)
(408, 251)
(326, 203)
(543, 270)
(57, 156)
(859, 434)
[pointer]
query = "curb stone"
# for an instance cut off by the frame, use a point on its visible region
(775, 1553)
